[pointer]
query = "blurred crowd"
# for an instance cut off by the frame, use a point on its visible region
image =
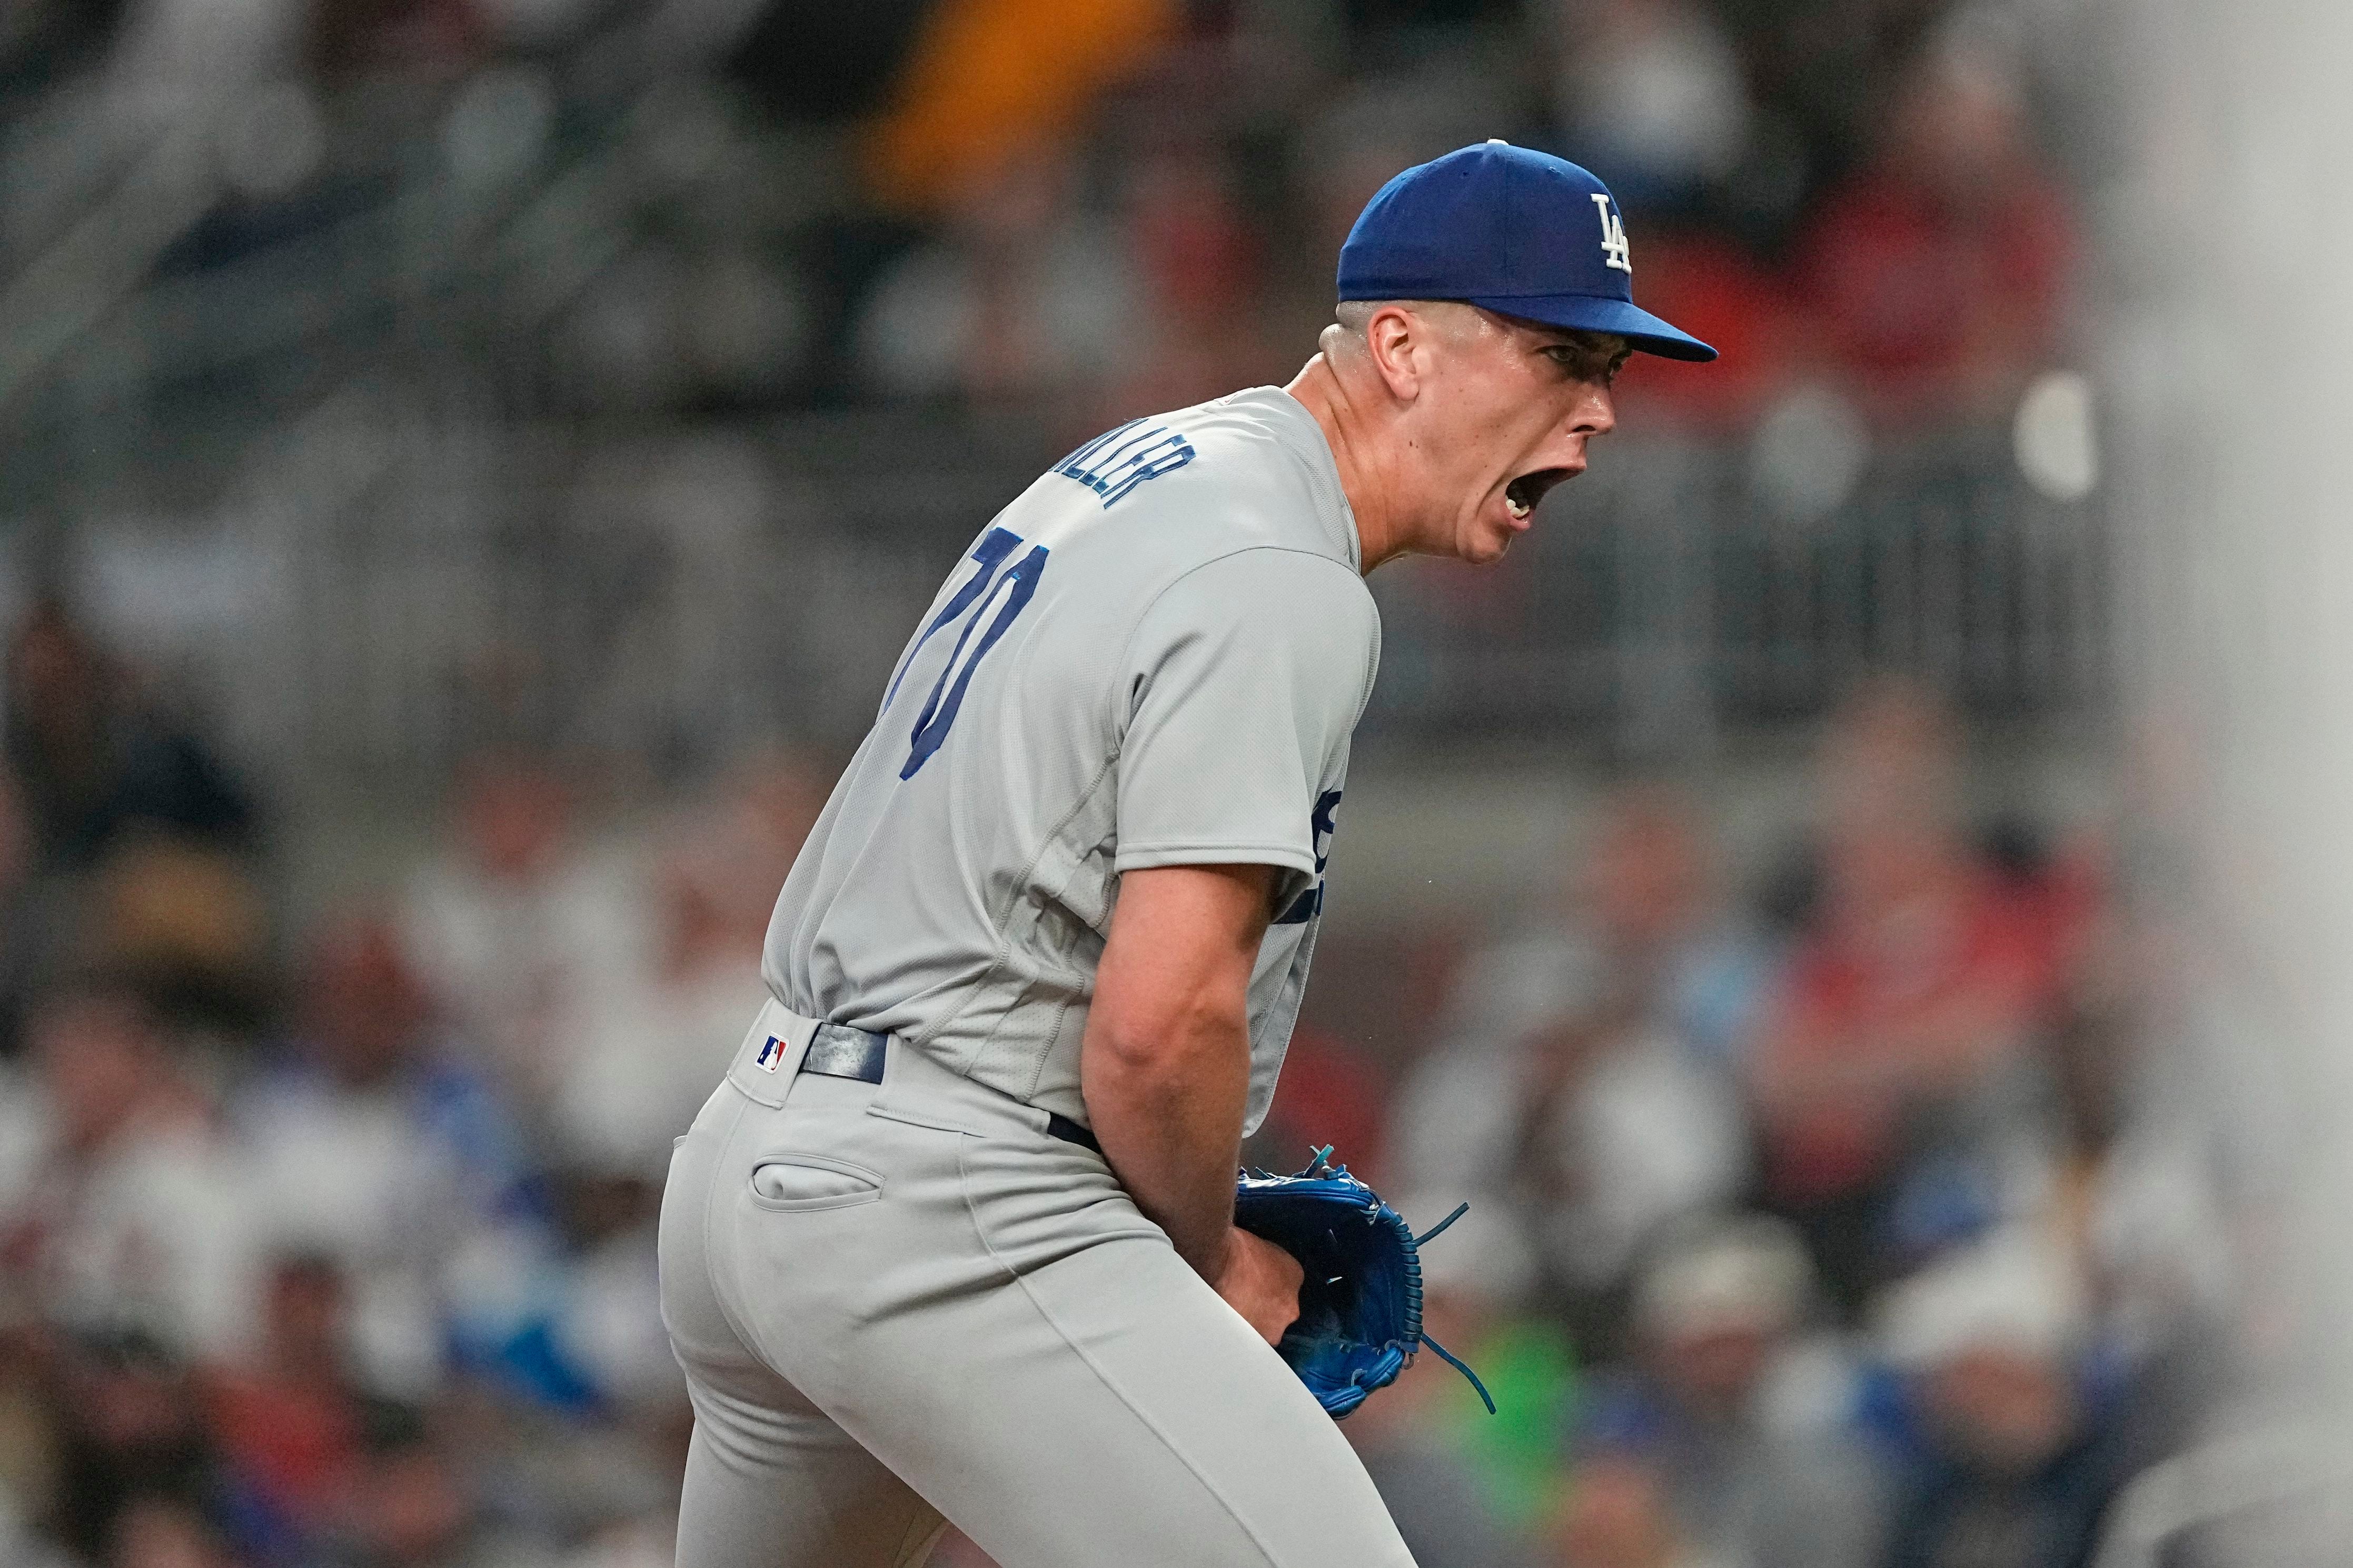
(330, 1241)
(1099, 207)
(1827, 1222)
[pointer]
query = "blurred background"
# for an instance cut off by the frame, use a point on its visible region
(466, 469)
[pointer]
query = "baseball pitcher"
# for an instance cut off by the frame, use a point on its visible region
(955, 1239)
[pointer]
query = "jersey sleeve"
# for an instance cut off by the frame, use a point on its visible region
(1242, 682)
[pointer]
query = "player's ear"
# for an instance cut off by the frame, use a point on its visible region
(1397, 340)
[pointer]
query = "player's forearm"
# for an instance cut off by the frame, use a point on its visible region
(1165, 1062)
(1169, 1113)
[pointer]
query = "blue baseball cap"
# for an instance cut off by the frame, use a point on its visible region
(1511, 230)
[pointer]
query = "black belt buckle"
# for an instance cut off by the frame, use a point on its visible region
(837, 1050)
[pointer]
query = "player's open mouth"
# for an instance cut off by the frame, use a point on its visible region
(1521, 495)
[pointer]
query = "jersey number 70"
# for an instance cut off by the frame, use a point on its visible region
(971, 603)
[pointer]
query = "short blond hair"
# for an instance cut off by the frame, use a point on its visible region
(1356, 316)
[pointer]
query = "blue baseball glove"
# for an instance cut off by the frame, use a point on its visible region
(1360, 1306)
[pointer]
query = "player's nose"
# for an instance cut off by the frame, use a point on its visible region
(1593, 414)
(1595, 411)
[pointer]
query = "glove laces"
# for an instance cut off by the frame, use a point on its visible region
(1448, 1356)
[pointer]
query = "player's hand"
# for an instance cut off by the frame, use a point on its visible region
(1261, 1281)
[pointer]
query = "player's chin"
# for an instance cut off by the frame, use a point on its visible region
(1490, 536)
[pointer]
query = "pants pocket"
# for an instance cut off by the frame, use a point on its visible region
(796, 1182)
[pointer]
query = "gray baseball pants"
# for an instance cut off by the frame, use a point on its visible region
(905, 1304)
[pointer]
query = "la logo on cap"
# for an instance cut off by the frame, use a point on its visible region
(1614, 252)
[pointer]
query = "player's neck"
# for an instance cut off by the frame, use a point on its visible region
(1353, 437)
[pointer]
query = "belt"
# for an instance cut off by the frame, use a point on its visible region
(837, 1050)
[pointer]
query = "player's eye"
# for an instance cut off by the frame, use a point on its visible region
(1583, 364)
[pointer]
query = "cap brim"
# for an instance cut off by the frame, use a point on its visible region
(1590, 314)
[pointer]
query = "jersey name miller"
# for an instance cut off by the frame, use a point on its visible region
(1614, 251)
(1117, 461)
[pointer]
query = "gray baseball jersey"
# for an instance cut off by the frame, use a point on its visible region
(1153, 656)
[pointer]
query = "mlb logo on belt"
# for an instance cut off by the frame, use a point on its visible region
(771, 1055)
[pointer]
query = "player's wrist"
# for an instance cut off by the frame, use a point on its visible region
(1240, 1252)
(1217, 1260)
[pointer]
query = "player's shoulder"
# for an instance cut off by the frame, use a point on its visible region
(1259, 441)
